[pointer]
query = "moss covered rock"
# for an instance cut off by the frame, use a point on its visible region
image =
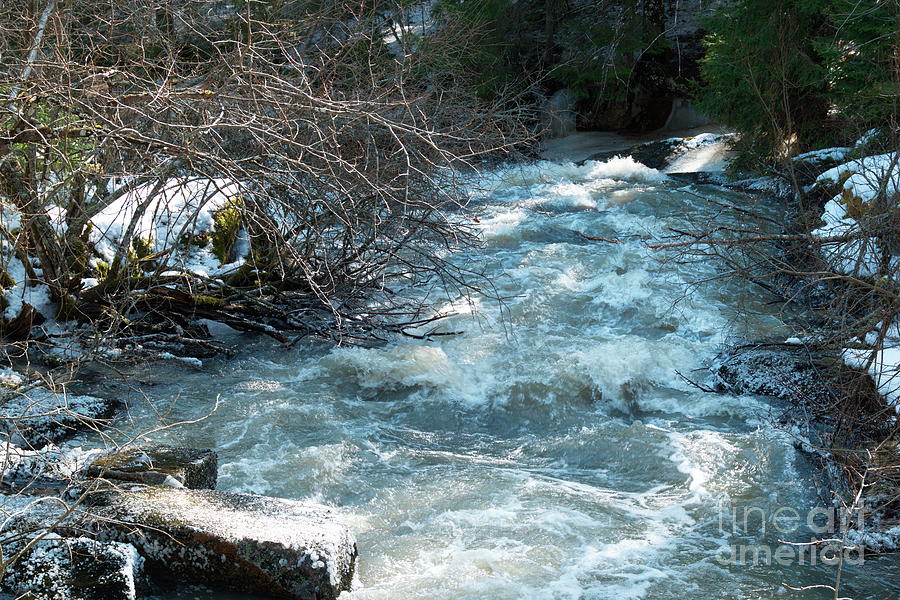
(227, 225)
(160, 465)
(239, 542)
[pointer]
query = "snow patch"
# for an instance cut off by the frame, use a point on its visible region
(864, 180)
(884, 369)
(824, 155)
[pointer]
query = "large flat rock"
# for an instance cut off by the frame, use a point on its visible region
(239, 542)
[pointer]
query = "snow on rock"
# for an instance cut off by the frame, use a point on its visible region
(858, 255)
(860, 182)
(240, 542)
(780, 370)
(14, 291)
(10, 380)
(160, 465)
(775, 186)
(884, 370)
(50, 463)
(824, 155)
(866, 177)
(76, 569)
(20, 293)
(188, 360)
(886, 540)
(39, 416)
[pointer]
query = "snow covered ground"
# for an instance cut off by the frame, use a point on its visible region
(862, 182)
(175, 217)
(170, 216)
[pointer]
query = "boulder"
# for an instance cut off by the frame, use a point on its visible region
(24, 516)
(238, 542)
(160, 465)
(49, 470)
(76, 569)
(37, 417)
(771, 369)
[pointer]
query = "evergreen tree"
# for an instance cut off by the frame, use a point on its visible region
(801, 74)
(763, 74)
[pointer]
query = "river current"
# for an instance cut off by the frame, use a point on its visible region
(551, 450)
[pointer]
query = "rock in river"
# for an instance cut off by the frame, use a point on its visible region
(788, 371)
(160, 465)
(39, 416)
(76, 569)
(241, 542)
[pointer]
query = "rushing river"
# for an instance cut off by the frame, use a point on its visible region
(550, 451)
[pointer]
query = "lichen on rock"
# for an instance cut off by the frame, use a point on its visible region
(239, 542)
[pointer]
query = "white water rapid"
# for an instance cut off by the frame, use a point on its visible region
(550, 451)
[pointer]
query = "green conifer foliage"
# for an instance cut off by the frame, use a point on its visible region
(800, 74)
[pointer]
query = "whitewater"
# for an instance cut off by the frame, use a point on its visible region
(556, 448)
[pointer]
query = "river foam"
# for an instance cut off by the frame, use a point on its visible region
(555, 449)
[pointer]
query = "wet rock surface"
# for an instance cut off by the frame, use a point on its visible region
(160, 465)
(238, 542)
(230, 541)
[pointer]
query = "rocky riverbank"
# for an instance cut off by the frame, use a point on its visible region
(97, 525)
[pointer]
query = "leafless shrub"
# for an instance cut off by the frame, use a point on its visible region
(313, 149)
(338, 148)
(838, 283)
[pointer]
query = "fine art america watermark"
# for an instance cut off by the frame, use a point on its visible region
(764, 536)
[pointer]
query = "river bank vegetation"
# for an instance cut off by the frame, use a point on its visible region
(276, 168)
